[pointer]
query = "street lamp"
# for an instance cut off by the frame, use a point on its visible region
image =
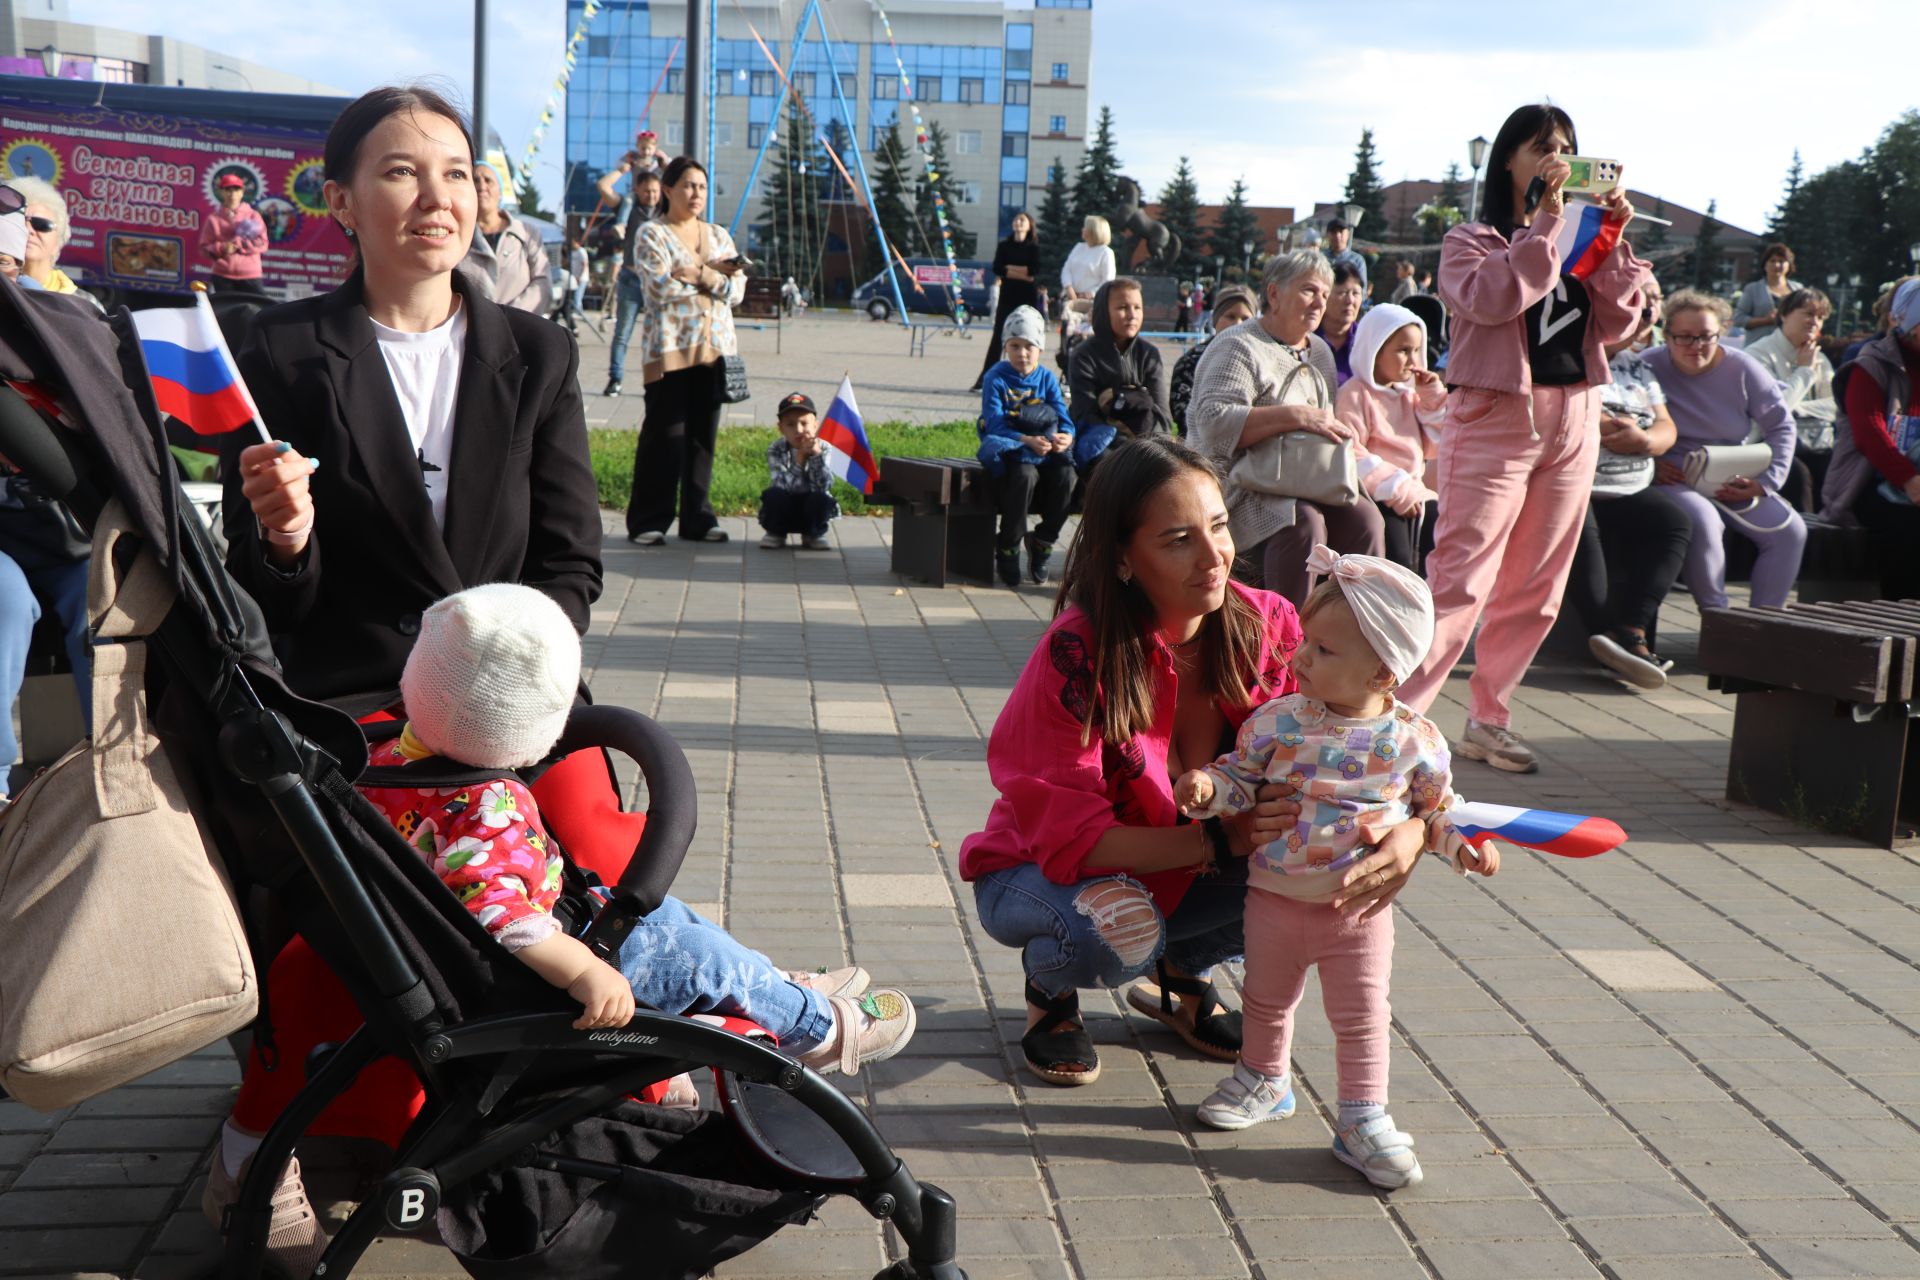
(1477, 155)
(1219, 268)
(1352, 214)
(232, 71)
(49, 61)
(1246, 256)
(1913, 252)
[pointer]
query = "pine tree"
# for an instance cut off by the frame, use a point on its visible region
(1704, 262)
(924, 206)
(834, 194)
(1649, 240)
(893, 202)
(1434, 227)
(1363, 185)
(1058, 229)
(1180, 214)
(1776, 222)
(1234, 228)
(789, 206)
(1096, 187)
(530, 202)
(1452, 191)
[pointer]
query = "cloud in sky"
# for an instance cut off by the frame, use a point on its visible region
(1701, 101)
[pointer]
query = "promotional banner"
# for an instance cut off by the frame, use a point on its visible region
(138, 188)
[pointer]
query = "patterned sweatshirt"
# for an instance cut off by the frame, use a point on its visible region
(685, 325)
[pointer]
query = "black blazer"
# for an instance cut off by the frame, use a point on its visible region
(522, 505)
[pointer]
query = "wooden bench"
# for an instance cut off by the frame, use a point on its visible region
(1822, 729)
(943, 517)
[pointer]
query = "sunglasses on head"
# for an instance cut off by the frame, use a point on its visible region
(11, 201)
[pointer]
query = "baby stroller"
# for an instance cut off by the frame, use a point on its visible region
(530, 1154)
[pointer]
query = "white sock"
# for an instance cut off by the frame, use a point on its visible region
(1353, 1113)
(235, 1147)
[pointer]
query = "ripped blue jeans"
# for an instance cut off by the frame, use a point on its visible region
(1106, 931)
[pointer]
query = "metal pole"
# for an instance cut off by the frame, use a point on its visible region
(773, 126)
(1473, 202)
(860, 170)
(696, 68)
(480, 81)
(713, 90)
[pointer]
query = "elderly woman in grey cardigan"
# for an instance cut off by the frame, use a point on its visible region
(1242, 395)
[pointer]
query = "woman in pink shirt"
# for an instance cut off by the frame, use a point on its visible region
(1516, 459)
(234, 237)
(1154, 659)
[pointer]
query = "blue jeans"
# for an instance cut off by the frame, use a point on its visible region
(18, 612)
(629, 302)
(682, 963)
(1106, 931)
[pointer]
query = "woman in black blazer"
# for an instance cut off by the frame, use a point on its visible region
(395, 488)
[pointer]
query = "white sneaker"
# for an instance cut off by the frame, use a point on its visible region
(651, 538)
(1498, 746)
(870, 1029)
(848, 982)
(1245, 1098)
(1379, 1151)
(1625, 663)
(773, 542)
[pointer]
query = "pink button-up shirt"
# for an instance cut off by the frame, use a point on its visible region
(1058, 795)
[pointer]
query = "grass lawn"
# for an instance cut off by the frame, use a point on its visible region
(740, 465)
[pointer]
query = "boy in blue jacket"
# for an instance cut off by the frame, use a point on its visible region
(1026, 445)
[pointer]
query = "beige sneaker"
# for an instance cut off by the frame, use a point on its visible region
(295, 1240)
(1498, 746)
(870, 1029)
(849, 982)
(682, 1094)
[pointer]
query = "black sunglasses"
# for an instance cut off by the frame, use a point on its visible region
(11, 201)
(42, 225)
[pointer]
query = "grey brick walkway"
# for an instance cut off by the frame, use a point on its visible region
(1694, 1057)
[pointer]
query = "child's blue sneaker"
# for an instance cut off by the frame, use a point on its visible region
(1245, 1098)
(1380, 1151)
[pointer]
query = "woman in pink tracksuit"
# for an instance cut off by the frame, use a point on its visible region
(1516, 458)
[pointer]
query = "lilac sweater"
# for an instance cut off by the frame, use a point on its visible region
(1724, 405)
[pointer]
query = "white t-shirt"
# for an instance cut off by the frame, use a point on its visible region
(425, 368)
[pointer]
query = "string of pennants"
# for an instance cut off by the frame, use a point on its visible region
(559, 89)
(924, 142)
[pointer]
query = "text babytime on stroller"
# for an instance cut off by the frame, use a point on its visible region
(529, 1151)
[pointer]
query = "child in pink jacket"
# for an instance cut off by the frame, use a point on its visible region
(1536, 290)
(1395, 405)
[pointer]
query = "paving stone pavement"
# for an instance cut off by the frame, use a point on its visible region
(1693, 1057)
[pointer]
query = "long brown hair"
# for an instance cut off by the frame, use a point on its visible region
(1120, 615)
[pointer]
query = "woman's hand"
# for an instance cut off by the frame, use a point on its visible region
(1619, 208)
(1373, 882)
(274, 484)
(1555, 174)
(1623, 436)
(1804, 354)
(1319, 421)
(1739, 490)
(1273, 813)
(1665, 472)
(687, 275)
(728, 266)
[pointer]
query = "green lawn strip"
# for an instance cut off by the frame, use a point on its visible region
(740, 463)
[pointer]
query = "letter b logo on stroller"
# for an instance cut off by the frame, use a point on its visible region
(412, 1198)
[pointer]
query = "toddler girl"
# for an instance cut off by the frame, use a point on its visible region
(1395, 405)
(1362, 763)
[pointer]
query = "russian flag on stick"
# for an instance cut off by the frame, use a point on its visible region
(1566, 834)
(194, 377)
(1585, 239)
(849, 457)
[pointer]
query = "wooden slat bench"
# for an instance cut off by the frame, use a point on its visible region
(1822, 729)
(943, 517)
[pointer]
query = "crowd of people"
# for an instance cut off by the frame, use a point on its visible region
(1220, 746)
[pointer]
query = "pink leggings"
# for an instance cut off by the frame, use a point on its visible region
(1285, 937)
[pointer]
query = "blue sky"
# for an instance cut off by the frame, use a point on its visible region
(1700, 100)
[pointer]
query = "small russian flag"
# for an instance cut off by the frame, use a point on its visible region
(1567, 834)
(1586, 238)
(194, 376)
(849, 457)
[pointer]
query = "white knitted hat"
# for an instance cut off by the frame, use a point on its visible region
(492, 677)
(1024, 323)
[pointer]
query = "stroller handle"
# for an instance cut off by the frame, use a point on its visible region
(673, 805)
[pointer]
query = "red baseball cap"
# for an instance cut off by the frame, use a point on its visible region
(231, 180)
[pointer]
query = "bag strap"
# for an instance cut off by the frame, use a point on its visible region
(123, 607)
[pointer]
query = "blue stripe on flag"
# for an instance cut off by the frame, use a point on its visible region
(200, 372)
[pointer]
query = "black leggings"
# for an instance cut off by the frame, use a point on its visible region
(673, 458)
(1896, 540)
(1046, 490)
(1641, 540)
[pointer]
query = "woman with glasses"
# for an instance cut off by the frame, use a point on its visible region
(1721, 397)
(47, 233)
(1516, 459)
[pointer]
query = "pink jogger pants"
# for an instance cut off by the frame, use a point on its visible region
(1513, 495)
(1286, 937)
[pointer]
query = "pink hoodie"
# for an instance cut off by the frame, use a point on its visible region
(1488, 284)
(1396, 422)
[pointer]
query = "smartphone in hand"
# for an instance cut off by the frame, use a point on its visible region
(1590, 176)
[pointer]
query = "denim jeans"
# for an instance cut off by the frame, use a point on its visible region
(1065, 942)
(630, 301)
(680, 962)
(18, 612)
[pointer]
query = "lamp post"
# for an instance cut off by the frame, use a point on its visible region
(1913, 253)
(232, 71)
(1219, 269)
(1353, 213)
(49, 61)
(1477, 156)
(1853, 295)
(1246, 257)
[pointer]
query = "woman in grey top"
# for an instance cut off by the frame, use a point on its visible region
(1242, 395)
(1758, 311)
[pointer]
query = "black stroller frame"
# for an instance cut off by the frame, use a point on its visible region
(497, 1083)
